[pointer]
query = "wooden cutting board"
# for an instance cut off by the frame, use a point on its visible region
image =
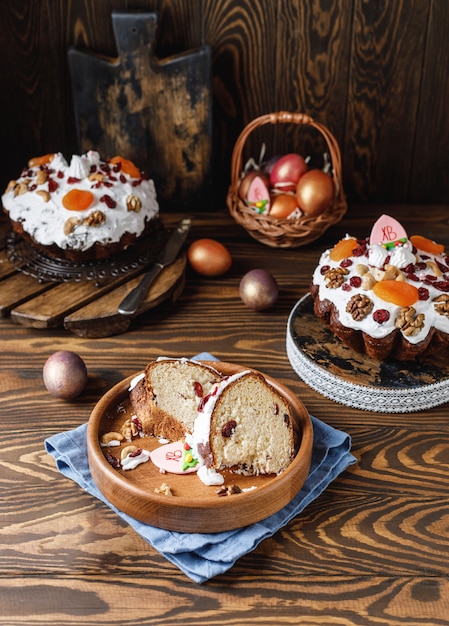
(155, 112)
(85, 308)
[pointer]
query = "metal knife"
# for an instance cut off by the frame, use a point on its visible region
(131, 302)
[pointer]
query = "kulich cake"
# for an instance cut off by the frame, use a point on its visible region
(386, 295)
(167, 395)
(87, 210)
(244, 424)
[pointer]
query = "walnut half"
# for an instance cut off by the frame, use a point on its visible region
(409, 322)
(359, 306)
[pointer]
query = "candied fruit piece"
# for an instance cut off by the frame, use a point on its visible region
(343, 249)
(396, 292)
(77, 200)
(422, 243)
(41, 160)
(127, 166)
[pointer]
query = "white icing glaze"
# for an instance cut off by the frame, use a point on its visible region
(209, 477)
(201, 427)
(135, 380)
(45, 220)
(375, 259)
(131, 462)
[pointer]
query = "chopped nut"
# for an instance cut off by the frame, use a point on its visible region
(359, 306)
(133, 203)
(21, 188)
(228, 491)
(361, 269)
(409, 322)
(165, 489)
(391, 272)
(108, 438)
(71, 224)
(96, 176)
(44, 194)
(127, 450)
(335, 277)
(368, 281)
(441, 304)
(95, 218)
(129, 429)
(11, 185)
(41, 177)
(434, 267)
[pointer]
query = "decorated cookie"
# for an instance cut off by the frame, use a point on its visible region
(175, 458)
(388, 232)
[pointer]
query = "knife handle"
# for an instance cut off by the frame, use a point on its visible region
(131, 302)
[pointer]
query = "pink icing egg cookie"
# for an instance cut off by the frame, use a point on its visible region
(175, 458)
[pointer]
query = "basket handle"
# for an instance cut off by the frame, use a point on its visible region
(284, 117)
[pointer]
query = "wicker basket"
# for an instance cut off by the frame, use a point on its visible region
(285, 233)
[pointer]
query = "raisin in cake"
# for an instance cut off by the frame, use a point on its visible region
(87, 210)
(386, 295)
(244, 424)
(167, 395)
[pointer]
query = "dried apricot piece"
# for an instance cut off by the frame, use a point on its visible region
(127, 166)
(41, 160)
(397, 292)
(77, 200)
(343, 249)
(427, 245)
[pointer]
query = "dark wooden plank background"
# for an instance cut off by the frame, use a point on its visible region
(375, 72)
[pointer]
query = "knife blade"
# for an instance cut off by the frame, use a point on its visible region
(131, 302)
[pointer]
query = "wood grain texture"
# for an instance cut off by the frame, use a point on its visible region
(373, 72)
(372, 549)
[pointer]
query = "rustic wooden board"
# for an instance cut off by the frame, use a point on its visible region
(83, 308)
(154, 112)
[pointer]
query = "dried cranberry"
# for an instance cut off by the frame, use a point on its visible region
(198, 388)
(110, 202)
(355, 281)
(113, 460)
(423, 293)
(136, 421)
(60, 174)
(324, 269)
(359, 251)
(420, 265)
(276, 409)
(346, 287)
(135, 453)
(441, 266)
(410, 268)
(346, 263)
(381, 316)
(52, 185)
(122, 179)
(413, 277)
(286, 419)
(441, 285)
(229, 428)
(72, 180)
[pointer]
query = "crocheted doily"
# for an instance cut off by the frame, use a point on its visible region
(337, 372)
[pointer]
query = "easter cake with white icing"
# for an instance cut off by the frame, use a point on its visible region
(88, 209)
(386, 296)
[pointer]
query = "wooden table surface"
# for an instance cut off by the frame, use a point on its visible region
(372, 549)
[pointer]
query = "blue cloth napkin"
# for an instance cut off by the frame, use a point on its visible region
(202, 556)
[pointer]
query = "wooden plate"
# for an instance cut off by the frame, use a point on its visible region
(194, 507)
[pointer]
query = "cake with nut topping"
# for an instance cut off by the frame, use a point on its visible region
(88, 209)
(387, 295)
